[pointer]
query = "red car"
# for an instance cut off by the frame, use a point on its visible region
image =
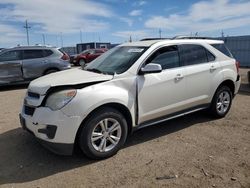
(86, 56)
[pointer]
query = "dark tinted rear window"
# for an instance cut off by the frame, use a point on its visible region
(222, 48)
(210, 56)
(32, 54)
(193, 54)
(47, 53)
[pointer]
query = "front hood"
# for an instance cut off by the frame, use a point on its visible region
(66, 78)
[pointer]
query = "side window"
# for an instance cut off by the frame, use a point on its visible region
(210, 56)
(32, 54)
(47, 53)
(222, 48)
(193, 54)
(167, 57)
(10, 56)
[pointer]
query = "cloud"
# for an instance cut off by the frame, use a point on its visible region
(133, 33)
(10, 36)
(57, 16)
(139, 3)
(127, 20)
(135, 13)
(205, 16)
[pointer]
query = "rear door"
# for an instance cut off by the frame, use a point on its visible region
(34, 63)
(201, 69)
(10, 67)
(160, 94)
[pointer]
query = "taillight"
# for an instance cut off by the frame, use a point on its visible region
(237, 64)
(65, 56)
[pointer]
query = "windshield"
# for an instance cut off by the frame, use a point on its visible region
(85, 52)
(116, 60)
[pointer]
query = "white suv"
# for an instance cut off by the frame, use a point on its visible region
(131, 86)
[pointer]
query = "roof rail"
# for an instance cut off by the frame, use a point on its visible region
(145, 39)
(32, 46)
(190, 37)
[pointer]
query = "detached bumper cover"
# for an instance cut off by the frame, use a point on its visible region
(58, 148)
(54, 130)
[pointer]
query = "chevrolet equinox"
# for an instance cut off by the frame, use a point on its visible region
(131, 86)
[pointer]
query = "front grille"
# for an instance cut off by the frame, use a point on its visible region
(29, 110)
(33, 95)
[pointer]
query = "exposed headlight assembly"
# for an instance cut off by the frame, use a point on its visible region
(59, 99)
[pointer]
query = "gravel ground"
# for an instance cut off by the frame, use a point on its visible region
(191, 151)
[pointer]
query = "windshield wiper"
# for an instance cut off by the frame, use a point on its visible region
(99, 71)
(95, 70)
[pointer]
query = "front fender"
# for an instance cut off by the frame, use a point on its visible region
(92, 97)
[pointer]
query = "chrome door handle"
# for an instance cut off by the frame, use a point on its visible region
(179, 77)
(212, 68)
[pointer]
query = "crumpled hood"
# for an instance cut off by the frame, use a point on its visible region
(67, 78)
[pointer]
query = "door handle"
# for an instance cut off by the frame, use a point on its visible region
(45, 61)
(212, 68)
(179, 77)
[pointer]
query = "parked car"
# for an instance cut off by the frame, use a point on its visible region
(21, 64)
(86, 56)
(132, 86)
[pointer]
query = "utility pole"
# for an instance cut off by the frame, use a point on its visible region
(61, 39)
(81, 35)
(43, 39)
(27, 27)
(130, 38)
(160, 33)
(222, 34)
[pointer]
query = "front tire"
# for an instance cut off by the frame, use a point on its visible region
(103, 134)
(221, 102)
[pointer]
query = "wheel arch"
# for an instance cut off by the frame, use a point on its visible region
(50, 68)
(117, 106)
(229, 83)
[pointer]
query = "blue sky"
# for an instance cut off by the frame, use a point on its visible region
(116, 20)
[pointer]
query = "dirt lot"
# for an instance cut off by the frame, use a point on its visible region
(191, 151)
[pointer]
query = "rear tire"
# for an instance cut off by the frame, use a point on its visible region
(221, 102)
(103, 134)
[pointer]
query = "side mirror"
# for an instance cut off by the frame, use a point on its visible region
(151, 68)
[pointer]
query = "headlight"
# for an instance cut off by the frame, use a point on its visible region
(59, 99)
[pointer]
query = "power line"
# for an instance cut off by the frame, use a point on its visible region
(27, 27)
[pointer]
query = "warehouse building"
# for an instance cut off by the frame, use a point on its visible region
(240, 48)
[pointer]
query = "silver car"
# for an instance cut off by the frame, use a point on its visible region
(21, 64)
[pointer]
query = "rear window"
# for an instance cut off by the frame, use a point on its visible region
(32, 54)
(193, 54)
(223, 49)
(47, 53)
